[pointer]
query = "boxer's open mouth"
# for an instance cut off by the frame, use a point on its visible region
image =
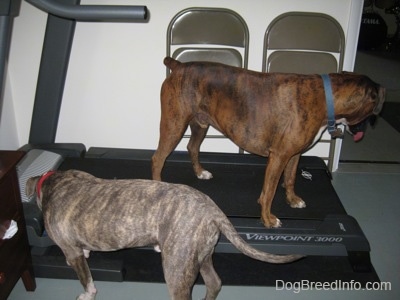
(358, 130)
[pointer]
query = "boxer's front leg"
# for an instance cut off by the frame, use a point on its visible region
(172, 127)
(273, 172)
(289, 181)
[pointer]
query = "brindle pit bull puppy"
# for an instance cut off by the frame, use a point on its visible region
(278, 116)
(83, 213)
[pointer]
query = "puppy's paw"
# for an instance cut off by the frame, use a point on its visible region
(157, 248)
(205, 175)
(86, 296)
(90, 293)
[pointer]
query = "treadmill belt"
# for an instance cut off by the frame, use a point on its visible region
(235, 188)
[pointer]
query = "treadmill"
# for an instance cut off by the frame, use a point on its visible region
(334, 243)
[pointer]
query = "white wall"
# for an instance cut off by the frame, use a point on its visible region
(111, 96)
(8, 129)
(23, 67)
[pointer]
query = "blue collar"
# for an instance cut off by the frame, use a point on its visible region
(333, 131)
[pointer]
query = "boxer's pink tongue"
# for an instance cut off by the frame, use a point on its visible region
(358, 136)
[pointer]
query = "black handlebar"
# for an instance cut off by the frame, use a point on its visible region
(118, 13)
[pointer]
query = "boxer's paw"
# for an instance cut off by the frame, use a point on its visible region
(205, 175)
(273, 222)
(299, 204)
(277, 224)
(296, 202)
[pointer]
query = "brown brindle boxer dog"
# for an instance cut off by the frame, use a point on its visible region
(275, 115)
(83, 213)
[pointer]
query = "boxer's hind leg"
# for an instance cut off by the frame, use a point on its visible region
(289, 182)
(198, 134)
(172, 128)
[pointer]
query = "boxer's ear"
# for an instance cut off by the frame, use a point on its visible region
(30, 187)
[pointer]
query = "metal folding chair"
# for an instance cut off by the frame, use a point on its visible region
(305, 43)
(208, 34)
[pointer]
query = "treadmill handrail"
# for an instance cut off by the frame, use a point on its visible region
(92, 12)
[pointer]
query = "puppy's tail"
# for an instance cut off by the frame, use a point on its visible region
(231, 234)
(171, 63)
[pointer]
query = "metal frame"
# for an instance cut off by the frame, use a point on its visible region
(59, 35)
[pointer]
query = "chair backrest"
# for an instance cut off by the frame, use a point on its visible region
(303, 42)
(208, 34)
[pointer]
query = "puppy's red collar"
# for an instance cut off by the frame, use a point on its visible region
(41, 180)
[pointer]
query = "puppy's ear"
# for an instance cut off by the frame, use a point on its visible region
(30, 187)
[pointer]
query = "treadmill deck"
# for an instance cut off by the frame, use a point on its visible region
(332, 240)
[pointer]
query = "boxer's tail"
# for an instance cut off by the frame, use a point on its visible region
(231, 234)
(171, 63)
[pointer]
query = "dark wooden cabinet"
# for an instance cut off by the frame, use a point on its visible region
(15, 256)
